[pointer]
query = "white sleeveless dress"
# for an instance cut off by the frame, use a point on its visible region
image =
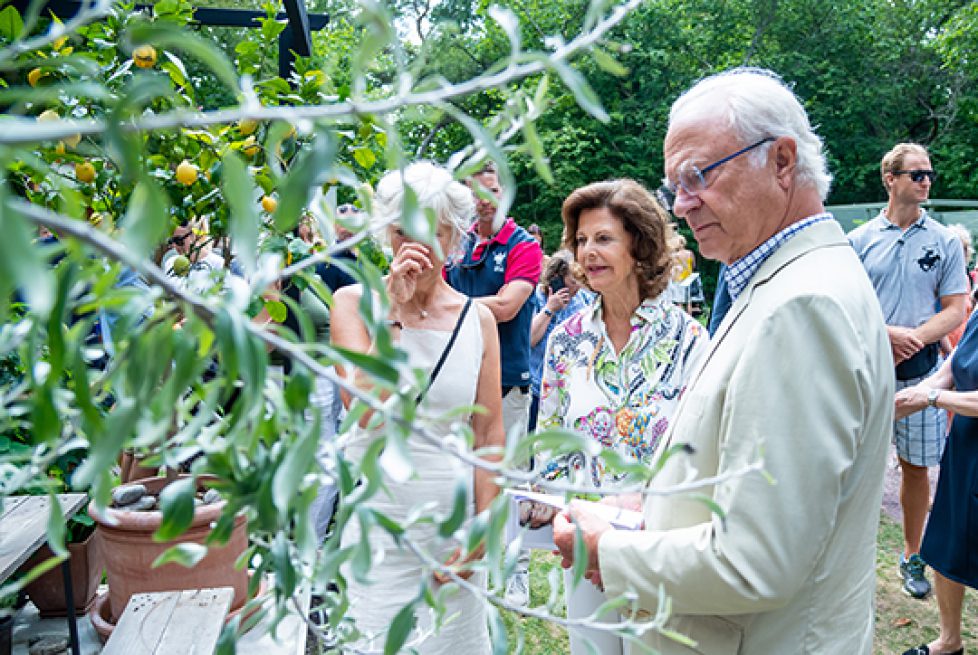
(397, 577)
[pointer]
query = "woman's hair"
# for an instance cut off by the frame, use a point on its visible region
(643, 219)
(435, 189)
(559, 265)
(893, 160)
(756, 103)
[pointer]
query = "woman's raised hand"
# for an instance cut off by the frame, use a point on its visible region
(411, 260)
(558, 300)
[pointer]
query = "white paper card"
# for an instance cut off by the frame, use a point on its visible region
(543, 538)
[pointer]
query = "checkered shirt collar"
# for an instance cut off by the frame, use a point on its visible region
(741, 271)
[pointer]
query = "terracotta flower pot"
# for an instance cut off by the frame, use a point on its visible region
(129, 551)
(48, 591)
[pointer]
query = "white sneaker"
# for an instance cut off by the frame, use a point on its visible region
(518, 589)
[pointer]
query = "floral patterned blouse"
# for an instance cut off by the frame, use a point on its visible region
(623, 401)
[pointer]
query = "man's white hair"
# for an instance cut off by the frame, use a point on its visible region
(756, 104)
(435, 189)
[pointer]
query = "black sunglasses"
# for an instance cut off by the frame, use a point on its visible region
(918, 175)
(178, 240)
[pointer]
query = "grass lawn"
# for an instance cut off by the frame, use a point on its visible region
(901, 622)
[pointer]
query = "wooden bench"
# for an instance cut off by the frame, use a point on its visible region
(168, 622)
(23, 529)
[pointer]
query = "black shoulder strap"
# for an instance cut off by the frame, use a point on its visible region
(444, 353)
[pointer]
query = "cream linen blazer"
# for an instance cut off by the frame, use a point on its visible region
(800, 377)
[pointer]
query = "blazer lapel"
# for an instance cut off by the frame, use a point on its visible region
(821, 235)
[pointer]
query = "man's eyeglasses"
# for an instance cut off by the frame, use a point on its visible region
(692, 179)
(178, 240)
(918, 174)
(346, 209)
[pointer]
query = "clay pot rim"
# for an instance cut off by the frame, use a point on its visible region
(150, 520)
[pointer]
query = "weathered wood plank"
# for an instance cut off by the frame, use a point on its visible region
(197, 621)
(171, 622)
(142, 624)
(10, 502)
(23, 527)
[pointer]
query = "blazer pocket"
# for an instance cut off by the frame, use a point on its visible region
(714, 635)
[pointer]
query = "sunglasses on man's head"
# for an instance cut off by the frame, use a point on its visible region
(918, 174)
(346, 209)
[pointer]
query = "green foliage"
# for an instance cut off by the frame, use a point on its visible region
(871, 73)
(99, 119)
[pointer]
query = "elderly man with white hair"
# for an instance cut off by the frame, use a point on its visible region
(798, 378)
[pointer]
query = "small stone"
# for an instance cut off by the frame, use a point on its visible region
(144, 504)
(49, 645)
(127, 494)
(212, 496)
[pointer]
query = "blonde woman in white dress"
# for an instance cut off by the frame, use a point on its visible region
(424, 312)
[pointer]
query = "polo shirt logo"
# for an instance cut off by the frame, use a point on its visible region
(929, 259)
(499, 262)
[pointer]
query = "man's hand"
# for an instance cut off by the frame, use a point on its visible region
(566, 525)
(903, 342)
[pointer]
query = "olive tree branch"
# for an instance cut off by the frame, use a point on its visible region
(28, 130)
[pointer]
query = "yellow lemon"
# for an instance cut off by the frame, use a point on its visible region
(60, 148)
(59, 42)
(48, 115)
(35, 76)
(250, 147)
(247, 126)
(186, 173)
(73, 140)
(144, 56)
(316, 76)
(269, 204)
(85, 172)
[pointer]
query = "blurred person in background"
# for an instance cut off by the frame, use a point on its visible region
(557, 297)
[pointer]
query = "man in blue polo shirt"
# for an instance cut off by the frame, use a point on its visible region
(500, 268)
(916, 266)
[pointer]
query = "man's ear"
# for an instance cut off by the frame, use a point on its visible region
(785, 160)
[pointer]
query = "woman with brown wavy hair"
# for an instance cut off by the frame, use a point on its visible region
(615, 370)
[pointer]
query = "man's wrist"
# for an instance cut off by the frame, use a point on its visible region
(549, 312)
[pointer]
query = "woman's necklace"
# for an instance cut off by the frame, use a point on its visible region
(422, 313)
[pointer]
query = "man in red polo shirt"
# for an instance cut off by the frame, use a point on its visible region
(500, 268)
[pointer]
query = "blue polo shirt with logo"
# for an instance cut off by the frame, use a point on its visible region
(485, 268)
(910, 269)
